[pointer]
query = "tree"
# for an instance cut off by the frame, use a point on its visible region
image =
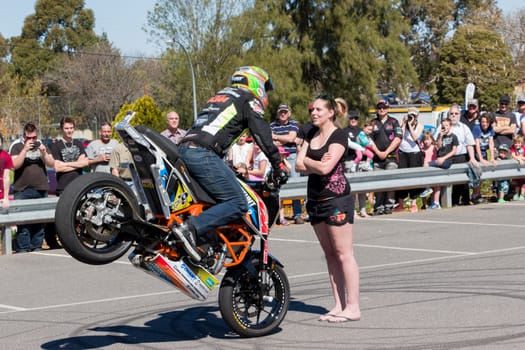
(202, 29)
(259, 46)
(146, 113)
(476, 55)
(346, 47)
(95, 83)
(56, 27)
(431, 23)
(512, 29)
(20, 103)
(3, 55)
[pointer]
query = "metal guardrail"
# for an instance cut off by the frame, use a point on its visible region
(43, 210)
(400, 179)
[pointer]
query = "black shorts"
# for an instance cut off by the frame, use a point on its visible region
(337, 211)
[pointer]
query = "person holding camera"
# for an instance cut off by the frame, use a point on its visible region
(30, 159)
(410, 155)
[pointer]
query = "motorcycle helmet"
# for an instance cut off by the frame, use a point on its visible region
(255, 80)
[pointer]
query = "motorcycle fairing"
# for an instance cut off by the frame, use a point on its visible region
(256, 216)
(192, 280)
(164, 181)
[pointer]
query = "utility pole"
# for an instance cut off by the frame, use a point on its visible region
(174, 41)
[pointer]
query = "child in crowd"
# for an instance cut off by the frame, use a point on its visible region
(484, 149)
(428, 146)
(240, 154)
(484, 137)
(286, 166)
(364, 140)
(261, 165)
(446, 145)
(517, 151)
(503, 185)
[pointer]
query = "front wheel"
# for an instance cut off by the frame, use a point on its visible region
(89, 214)
(250, 308)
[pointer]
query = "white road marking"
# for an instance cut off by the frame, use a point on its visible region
(450, 222)
(380, 247)
(14, 309)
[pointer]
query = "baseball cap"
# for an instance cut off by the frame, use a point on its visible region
(504, 99)
(283, 107)
(472, 101)
(413, 111)
(382, 103)
(353, 114)
(504, 147)
(521, 99)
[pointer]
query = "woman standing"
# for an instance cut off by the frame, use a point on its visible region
(409, 155)
(331, 207)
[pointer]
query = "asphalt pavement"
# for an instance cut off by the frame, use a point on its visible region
(441, 279)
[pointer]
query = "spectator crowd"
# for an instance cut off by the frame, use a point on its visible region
(382, 143)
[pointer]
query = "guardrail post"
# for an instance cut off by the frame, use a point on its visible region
(446, 196)
(6, 240)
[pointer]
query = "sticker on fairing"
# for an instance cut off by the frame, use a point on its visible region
(221, 120)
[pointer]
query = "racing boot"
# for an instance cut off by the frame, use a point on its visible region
(186, 234)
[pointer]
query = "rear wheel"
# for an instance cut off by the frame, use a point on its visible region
(88, 215)
(250, 308)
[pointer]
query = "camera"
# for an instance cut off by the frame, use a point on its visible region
(36, 144)
(410, 118)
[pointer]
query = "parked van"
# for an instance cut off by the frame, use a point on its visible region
(429, 116)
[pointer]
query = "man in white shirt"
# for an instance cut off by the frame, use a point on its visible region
(464, 154)
(173, 132)
(99, 151)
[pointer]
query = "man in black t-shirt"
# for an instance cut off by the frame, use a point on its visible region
(505, 123)
(387, 136)
(470, 117)
(30, 159)
(70, 159)
(70, 156)
(352, 130)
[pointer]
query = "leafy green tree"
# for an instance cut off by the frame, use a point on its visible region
(259, 47)
(146, 113)
(346, 48)
(431, 22)
(198, 30)
(56, 27)
(476, 55)
(3, 55)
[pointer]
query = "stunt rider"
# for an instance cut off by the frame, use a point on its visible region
(222, 120)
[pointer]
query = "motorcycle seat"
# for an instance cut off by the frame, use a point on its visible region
(163, 142)
(172, 153)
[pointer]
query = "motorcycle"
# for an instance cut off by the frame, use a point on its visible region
(99, 217)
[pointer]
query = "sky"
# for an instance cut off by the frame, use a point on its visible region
(121, 20)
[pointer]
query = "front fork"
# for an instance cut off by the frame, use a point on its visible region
(260, 264)
(265, 265)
